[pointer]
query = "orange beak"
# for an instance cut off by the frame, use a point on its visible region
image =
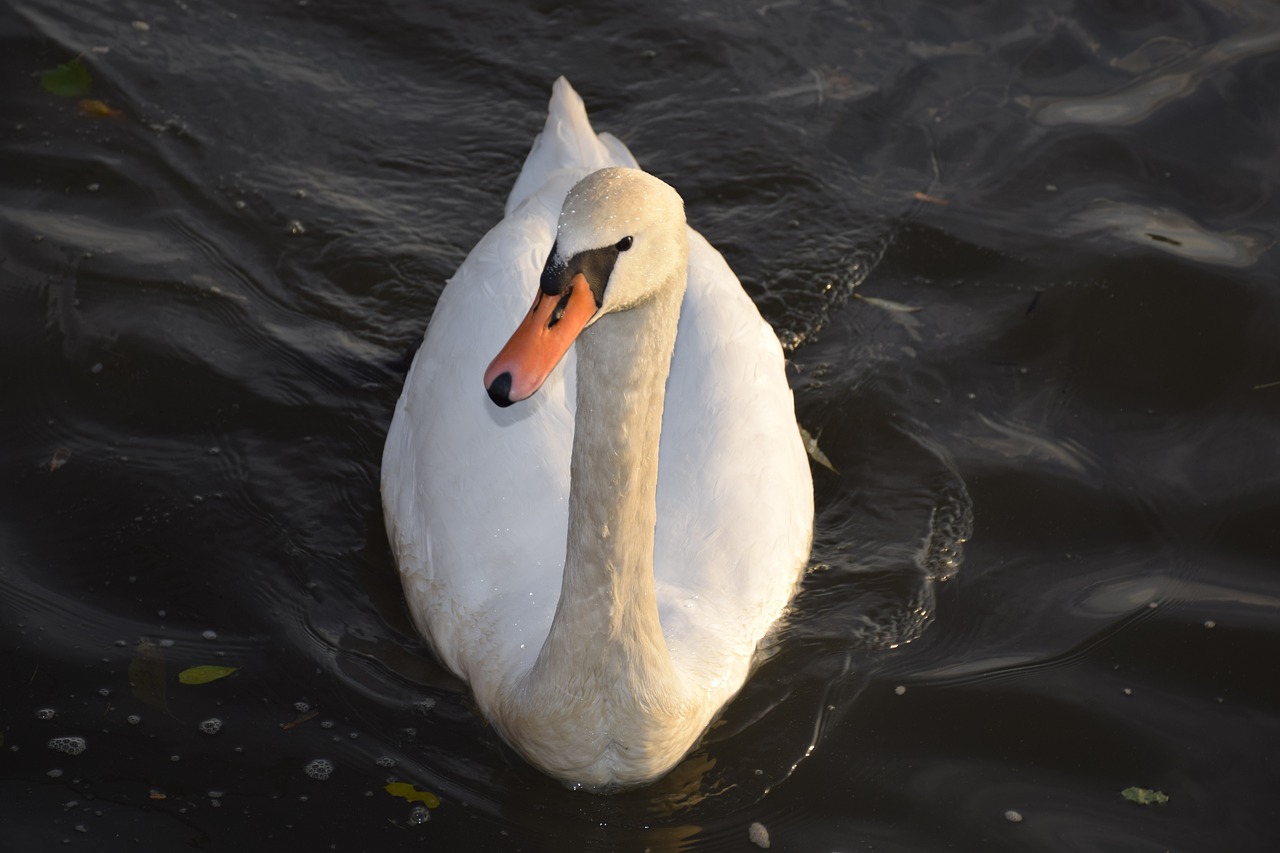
(540, 341)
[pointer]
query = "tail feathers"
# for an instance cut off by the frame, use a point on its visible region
(566, 142)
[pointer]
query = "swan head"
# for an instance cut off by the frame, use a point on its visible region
(620, 242)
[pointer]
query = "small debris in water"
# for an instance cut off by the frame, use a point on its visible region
(295, 228)
(759, 835)
(142, 26)
(297, 721)
(1128, 691)
(209, 635)
(1209, 623)
(900, 689)
(60, 457)
(1013, 816)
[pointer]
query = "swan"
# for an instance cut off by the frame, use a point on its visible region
(599, 560)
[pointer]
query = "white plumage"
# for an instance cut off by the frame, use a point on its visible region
(477, 497)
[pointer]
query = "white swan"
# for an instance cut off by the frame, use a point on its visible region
(598, 566)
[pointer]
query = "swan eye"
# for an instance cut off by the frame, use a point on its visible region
(623, 244)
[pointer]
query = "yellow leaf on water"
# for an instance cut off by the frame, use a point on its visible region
(98, 109)
(1144, 796)
(815, 452)
(412, 794)
(205, 674)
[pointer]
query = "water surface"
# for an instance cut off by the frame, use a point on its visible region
(1022, 259)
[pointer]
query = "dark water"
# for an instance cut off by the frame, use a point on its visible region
(1023, 258)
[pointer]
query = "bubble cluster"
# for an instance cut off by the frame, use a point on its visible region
(211, 726)
(320, 768)
(46, 714)
(133, 719)
(69, 745)
(419, 815)
(386, 761)
(301, 707)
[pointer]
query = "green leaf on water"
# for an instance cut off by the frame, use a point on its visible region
(1144, 796)
(205, 674)
(412, 794)
(70, 80)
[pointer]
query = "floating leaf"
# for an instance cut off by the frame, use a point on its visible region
(146, 674)
(815, 452)
(98, 109)
(412, 794)
(205, 674)
(1144, 796)
(70, 80)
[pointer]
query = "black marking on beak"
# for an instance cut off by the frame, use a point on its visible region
(595, 265)
(500, 390)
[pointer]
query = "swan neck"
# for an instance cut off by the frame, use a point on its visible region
(607, 618)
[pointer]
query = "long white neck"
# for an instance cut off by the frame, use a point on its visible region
(603, 692)
(607, 613)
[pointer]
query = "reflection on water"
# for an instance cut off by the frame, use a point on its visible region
(1018, 256)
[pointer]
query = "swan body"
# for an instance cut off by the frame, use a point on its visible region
(600, 559)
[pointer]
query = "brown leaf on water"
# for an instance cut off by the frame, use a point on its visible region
(98, 109)
(59, 458)
(300, 720)
(931, 199)
(146, 674)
